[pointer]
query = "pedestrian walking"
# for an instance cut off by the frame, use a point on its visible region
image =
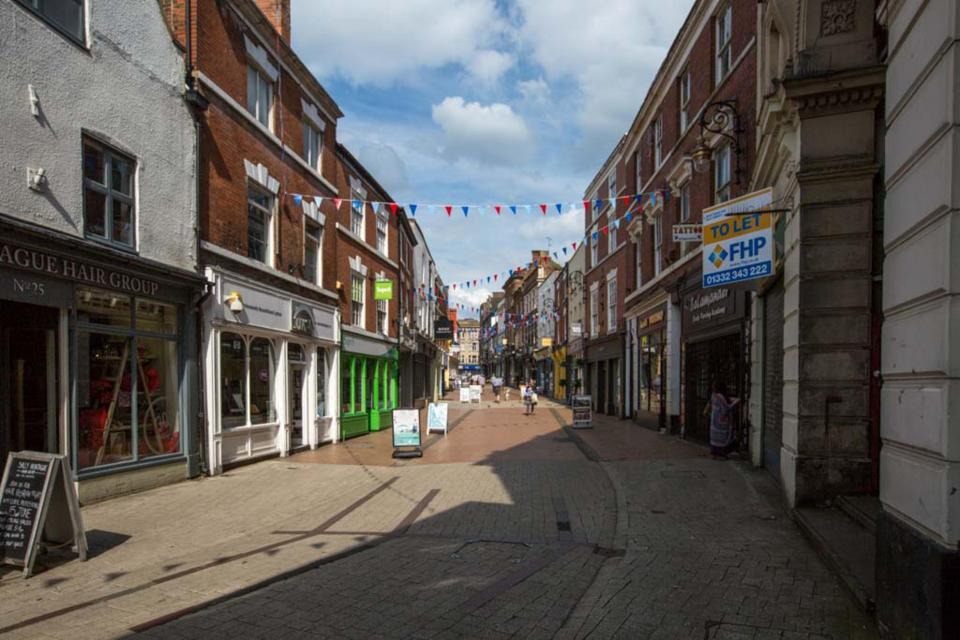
(496, 383)
(529, 399)
(720, 409)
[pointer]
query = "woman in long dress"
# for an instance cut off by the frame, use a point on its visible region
(721, 420)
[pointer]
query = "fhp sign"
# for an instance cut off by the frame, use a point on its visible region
(738, 240)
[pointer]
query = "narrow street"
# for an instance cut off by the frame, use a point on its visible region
(509, 526)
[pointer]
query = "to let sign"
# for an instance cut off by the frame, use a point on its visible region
(738, 240)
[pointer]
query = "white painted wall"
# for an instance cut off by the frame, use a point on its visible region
(127, 87)
(920, 411)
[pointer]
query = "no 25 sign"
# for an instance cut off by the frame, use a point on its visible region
(29, 287)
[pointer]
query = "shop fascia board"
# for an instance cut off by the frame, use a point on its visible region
(661, 297)
(226, 253)
(664, 275)
(348, 328)
(246, 115)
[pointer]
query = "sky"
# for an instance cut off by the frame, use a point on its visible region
(484, 102)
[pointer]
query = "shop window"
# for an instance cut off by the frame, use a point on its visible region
(721, 169)
(347, 387)
(356, 300)
(66, 16)
(259, 96)
(108, 202)
(724, 30)
(312, 145)
(128, 379)
(382, 235)
(312, 236)
(261, 381)
(259, 224)
(233, 376)
(321, 382)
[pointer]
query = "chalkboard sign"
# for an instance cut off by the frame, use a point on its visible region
(38, 505)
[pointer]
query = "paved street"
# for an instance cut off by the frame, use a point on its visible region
(509, 526)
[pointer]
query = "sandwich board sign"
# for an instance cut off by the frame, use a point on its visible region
(464, 394)
(38, 507)
(476, 391)
(738, 240)
(437, 417)
(406, 433)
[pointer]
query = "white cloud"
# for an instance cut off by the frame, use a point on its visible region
(487, 66)
(371, 41)
(535, 91)
(384, 163)
(491, 134)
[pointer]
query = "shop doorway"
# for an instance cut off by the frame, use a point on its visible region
(295, 393)
(720, 359)
(28, 379)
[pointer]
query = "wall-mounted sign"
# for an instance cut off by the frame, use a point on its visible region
(302, 321)
(46, 263)
(383, 290)
(705, 309)
(576, 329)
(546, 342)
(738, 240)
(651, 319)
(442, 329)
(687, 232)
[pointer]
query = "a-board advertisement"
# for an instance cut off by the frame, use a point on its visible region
(738, 239)
(464, 394)
(582, 417)
(475, 392)
(406, 428)
(38, 506)
(437, 416)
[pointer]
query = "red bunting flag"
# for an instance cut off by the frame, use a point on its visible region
(454, 285)
(604, 229)
(574, 244)
(449, 209)
(337, 202)
(496, 208)
(543, 208)
(494, 277)
(393, 208)
(625, 199)
(586, 206)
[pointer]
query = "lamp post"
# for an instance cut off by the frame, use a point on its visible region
(716, 118)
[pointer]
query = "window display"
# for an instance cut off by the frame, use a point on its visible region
(247, 373)
(321, 382)
(128, 373)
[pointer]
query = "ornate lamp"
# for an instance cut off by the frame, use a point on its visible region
(716, 118)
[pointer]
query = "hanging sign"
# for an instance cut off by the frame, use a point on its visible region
(442, 329)
(383, 290)
(38, 507)
(437, 417)
(687, 232)
(406, 433)
(738, 240)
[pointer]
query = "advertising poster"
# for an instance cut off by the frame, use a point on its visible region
(738, 240)
(437, 417)
(406, 428)
(464, 394)
(475, 391)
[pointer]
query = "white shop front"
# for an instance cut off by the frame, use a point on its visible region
(270, 369)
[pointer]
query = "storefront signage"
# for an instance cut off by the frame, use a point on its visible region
(442, 329)
(650, 320)
(546, 342)
(582, 418)
(26, 287)
(81, 272)
(687, 232)
(302, 322)
(368, 347)
(707, 308)
(576, 329)
(406, 428)
(383, 290)
(738, 240)
(38, 505)
(437, 416)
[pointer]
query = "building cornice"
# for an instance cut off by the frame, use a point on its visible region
(350, 234)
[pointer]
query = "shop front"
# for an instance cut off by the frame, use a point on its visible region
(575, 364)
(544, 370)
(560, 373)
(714, 352)
(604, 358)
(97, 360)
(270, 360)
(369, 372)
(649, 351)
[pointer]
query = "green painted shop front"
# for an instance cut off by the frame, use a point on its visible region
(368, 390)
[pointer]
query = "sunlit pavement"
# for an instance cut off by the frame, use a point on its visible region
(508, 526)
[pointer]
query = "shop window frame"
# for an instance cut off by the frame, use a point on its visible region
(247, 395)
(74, 329)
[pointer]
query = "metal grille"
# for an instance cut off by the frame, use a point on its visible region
(721, 358)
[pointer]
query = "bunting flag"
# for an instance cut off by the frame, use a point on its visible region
(337, 202)
(358, 204)
(559, 207)
(393, 208)
(297, 198)
(513, 208)
(465, 209)
(543, 208)
(449, 209)
(497, 208)
(412, 207)
(376, 207)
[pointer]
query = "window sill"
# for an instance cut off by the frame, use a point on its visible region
(125, 248)
(250, 427)
(127, 465)
(350, 234)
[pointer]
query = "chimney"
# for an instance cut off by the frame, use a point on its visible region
(278, 13)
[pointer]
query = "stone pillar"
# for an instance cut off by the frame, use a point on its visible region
(828, 280)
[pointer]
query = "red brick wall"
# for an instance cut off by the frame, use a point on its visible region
(278, 13)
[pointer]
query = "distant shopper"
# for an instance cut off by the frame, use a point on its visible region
(529, 399)
(721, 420)
(496, 383)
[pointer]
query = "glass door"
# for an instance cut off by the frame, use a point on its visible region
(295, 393)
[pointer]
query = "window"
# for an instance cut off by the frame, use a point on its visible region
(259, 214)
(312, 145)
(382, 317)
(658, 141)
(356, 300)
(382, 235)
(312, 235)
(639, 167)
(321, 382)
(684, 101)
(66, 16)
(262, 371)
(612, 236)
(594, 251)
(128, 378)
(259, 96)
(685, 202)
(594, 313)
(657, 243)
(612, 305)
(612, 184)
(639, 256)
(595, 210)
(109, 212)
(356, 218)
(724, 22)
(721, 169)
